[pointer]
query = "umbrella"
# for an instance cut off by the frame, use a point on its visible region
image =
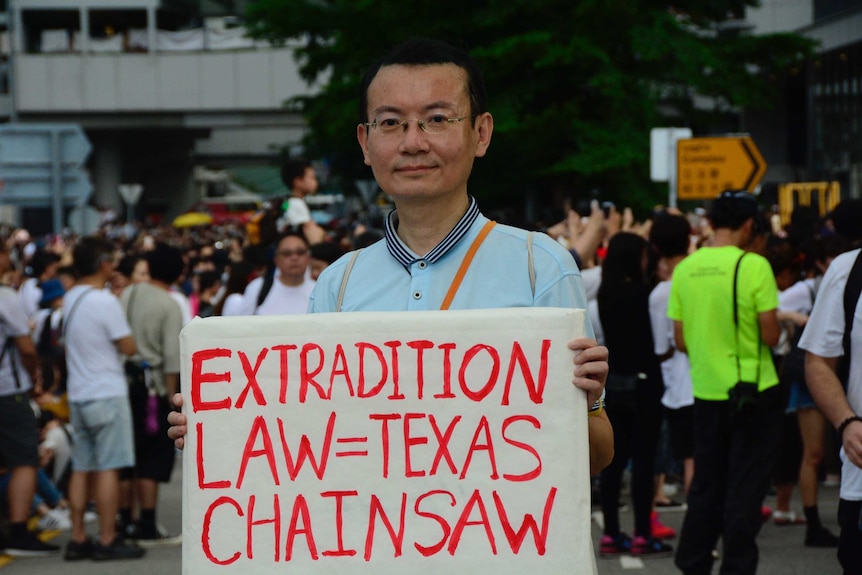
(192, 219)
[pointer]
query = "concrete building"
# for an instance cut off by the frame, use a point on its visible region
(158, 89)
(815, 133)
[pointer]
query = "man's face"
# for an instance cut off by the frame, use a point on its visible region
(411, 164)
(307, 184)
(291, 257)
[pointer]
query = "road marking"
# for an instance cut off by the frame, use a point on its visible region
(627, 562)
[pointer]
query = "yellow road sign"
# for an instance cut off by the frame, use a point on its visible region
(708, 166)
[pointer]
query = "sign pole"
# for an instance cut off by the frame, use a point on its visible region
(671, 172)
(130, 193)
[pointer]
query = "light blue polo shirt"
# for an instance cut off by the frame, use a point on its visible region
(388, 276)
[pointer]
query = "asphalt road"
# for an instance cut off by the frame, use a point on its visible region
(781, 548)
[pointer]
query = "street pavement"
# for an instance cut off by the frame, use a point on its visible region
(781, 549)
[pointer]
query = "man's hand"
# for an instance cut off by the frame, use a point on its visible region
(853, 443)
(177, 431)
(591, 367)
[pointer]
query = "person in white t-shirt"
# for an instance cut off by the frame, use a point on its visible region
(96, 332)
(300, 178)
(823, 339)
(287, 288)
(670, 236)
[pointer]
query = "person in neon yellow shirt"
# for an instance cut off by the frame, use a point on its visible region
(738, 405)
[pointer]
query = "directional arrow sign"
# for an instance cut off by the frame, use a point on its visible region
(708, 166)
(29, 145)
(37, 192)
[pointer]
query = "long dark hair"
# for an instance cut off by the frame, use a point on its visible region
(623, 263)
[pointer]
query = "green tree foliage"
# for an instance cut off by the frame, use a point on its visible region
(574, 86)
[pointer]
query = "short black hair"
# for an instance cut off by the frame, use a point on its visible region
(426, 52)
(670, 234)
(166, 263)
(847, 218)
(208, 279)
(126, 265)
(326, 251)
(40, 260)
(293, 168)
(732, 209)
(89, 253)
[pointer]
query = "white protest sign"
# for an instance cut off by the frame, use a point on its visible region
(385, 443)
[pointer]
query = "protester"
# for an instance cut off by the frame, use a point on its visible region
(156, 321)
(94, 331)
(423, 122)
(299, 177)
(833, 370)
(634, 391)
(284, 289)
(723, 302)
(18, 434)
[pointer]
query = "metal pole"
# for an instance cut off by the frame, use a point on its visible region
(671, 169)
(10, 65)
(56, 181)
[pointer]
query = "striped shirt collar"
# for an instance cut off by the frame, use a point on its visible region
(406, 256)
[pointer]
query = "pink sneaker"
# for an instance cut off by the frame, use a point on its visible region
(659, 529)
(614, 546)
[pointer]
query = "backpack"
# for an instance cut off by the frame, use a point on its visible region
(52, 351)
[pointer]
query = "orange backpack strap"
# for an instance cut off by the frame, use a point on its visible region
(465, 264)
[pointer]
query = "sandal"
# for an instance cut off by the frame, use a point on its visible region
(785, 518)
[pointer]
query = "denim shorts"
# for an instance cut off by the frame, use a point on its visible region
(103, 437)
(800, 398)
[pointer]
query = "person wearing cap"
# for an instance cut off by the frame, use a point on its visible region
(723, 301)
(41, 268)
(833, 372)
(46, 325)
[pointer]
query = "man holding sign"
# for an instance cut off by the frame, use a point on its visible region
(423, 123)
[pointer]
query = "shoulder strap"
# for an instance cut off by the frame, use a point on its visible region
(852, 290)
(735, 301)
(736, 322)
(465, 264)
(530, 263)
(68, 318)
(268, 280)
(344, 279)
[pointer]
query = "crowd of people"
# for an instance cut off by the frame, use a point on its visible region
(702, 318)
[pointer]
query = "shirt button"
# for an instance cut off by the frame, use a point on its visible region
(417, 295)
(423, 264)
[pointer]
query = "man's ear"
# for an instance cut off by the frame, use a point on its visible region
(362, 137)
(484, 127)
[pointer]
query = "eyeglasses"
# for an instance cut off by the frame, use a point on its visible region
(436, 124)
(288, 253)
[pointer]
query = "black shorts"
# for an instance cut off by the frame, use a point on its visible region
(154, 452)
(681, 424)
(19, 436)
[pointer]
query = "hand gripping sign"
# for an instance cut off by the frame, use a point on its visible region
(385, 443)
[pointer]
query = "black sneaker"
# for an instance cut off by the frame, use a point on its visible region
(821, 538)
(156, 537)
(29, 546)
(650, 547)
(119, 549)
(76, 551)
